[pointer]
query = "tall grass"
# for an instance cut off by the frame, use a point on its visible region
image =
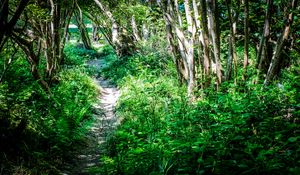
(38, 131)
(238, 130)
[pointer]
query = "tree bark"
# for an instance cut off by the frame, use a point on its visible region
(246, 40)
(122, 41)
(232, 40)
(276, 59)
(212, 16)
(95, 33)
(33, 59)
(229, 61)
(6, 27)
(262, 56)
(82, 28)
(190, 48)
(145, 31)
(204, 31)
(177, 48)
(135, 29)
(174, 52)
(178, 14)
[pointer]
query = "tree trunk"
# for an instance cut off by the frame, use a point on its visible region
(178, 14)
(95, 33)
(122, 41)
(212, 16)
(6, 27)
(262, 56)
(190, 48)
(145, 31)
(33, 59)
(204, 31)
(246, 40)
(174, 51)
(115, 36)
(180, 37)
(82, 29)
(135, 29)
(177, 49)
(65, 37)
(232, 41)
(276, 59)
(229, 61)
(199, 44)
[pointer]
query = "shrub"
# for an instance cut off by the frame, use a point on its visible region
(77, 56)
(237, 130)
(38, 130)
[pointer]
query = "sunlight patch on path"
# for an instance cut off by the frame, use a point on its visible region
(105, 122)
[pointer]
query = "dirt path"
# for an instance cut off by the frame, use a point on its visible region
(105, 122)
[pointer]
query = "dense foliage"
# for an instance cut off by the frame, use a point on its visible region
(208, 86)
(238, 130)
(37, 127)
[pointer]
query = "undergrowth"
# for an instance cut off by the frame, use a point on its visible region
(38, 131)
(237, 130)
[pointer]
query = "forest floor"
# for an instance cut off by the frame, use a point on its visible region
(87, 160)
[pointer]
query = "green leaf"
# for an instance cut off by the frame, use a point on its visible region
(292, 139)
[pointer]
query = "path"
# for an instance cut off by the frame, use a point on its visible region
(105, 122)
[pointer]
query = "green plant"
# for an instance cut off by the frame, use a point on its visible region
(237, 130)
(37, 127)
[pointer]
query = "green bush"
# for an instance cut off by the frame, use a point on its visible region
(77, 56)
(73, 99)
(41, 130)
(237, 130)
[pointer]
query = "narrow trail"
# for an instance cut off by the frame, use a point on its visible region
(105, 122)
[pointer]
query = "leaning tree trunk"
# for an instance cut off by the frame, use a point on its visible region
(122, 41)
(33, 59)
(115, 33)
(212, 16)
(263, 58)
(135, 29)
(180, 37)
(275, 64)
(95, 33)
(65, 37)
(176, 49)
(82, 29)
(7, 26)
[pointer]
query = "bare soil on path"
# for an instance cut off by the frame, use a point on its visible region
(104, 125)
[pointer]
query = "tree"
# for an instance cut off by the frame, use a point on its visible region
(44, 32)
(276, 59)
(6, 25)
(82, 28)
(232, 41)
(119, 38)
(263, 56)
(215, 35)
(246, 38)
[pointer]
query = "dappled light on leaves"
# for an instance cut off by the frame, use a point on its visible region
(149, 87)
